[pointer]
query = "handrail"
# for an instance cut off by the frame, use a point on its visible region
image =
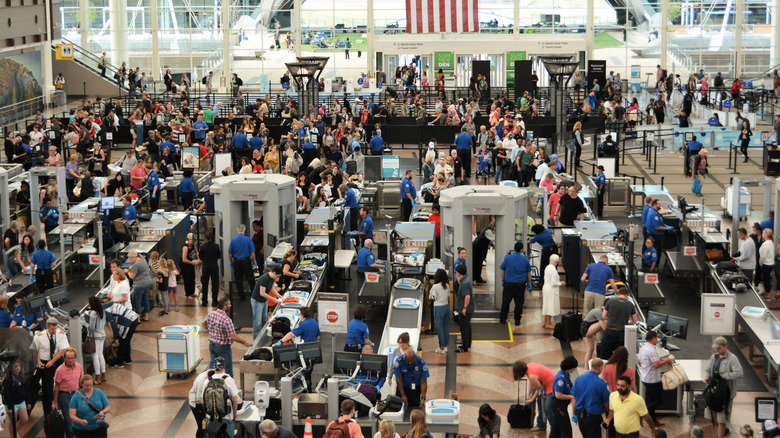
(89, 55)
(20, 110)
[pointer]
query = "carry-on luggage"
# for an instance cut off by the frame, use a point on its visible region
(521, 415)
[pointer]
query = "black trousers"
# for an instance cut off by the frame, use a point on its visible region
(600, 203)
(480, 250)
(464, 322)
(577, 153)
(154, 203)
(124, 344)
(354, 215)
(561, 424)
(47, 388)
(412, 396)
(512, 292)
(610, 342)
(199, 415)
(654, 393)
(210, 273)
(186, 200)
(44, 279)
(590, 425)
(406, 209)
(243, 270)
(743, 147)
(465, 158)
(188, 276)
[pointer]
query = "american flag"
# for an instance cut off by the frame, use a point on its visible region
(431, 16)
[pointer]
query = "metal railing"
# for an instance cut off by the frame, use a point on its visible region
(90, 61)
(20, 110)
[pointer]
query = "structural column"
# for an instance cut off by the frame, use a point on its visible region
(83, 29)
(774, 50)
(154, 11)
(739, 21)
(297, 27)
(370, 55)
(516, 17)
(664, 40)
(48, 75)
(590, 32)
(227, 60)
(118, 25)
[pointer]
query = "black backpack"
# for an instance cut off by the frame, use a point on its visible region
(239, 81)
(54, 424)
(717, 394)
(205, 80)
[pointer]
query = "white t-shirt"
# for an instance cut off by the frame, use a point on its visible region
(121, 291)
(231, 385)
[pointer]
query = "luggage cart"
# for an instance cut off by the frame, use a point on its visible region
(178, 349)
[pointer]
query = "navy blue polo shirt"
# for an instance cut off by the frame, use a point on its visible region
(516, 268)
(308, 330)
(408, 187)
(600, 179)
(241, 247)
(51, 221)
(308, 146)
(364, 261)
(20, 317)
(186, 186)
(350, 200)
(545, 238)
(357, 332)
(562, 382)
(769, 223)
(153, 181)
(129, 213)
(411, 373)
(377, 143)
(599, 275)
(463, 141)
(649, 256)
(367, 226)
(43, 259)
(256, 143)
(167, 145)
(694, 146)
(591, 393)
(654, 220)
(239, 141)
(645, 213)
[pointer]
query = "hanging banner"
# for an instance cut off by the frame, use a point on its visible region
(636, 79)
(444, 61)
(597, 70)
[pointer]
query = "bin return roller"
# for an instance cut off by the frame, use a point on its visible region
(403, 315)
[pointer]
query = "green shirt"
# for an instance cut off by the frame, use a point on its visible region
(208, 116)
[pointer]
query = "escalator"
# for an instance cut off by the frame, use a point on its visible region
(83, 75)
(638, 11)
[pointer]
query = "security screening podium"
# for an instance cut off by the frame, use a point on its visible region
(459, 204)
(234, 202)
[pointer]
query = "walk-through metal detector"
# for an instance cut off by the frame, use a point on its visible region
(768, 184)
(505, 204)
(234, 201)
(36, 173)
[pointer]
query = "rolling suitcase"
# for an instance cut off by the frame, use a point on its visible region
(570, 327)
(521, 415)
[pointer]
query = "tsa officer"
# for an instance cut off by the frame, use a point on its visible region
(357, 332)
(351, 202)
(655, 224)
(649, 255)
(49, 215)
(309, 331)
(601, 184)
(411, 374)
(515, 278)
(49, 346)
(562, 397)
(153, 186)
(366, 229)
(242, 255)
(42, 261)
(365, 260)
(591, 400)
(408, 195)
(129, 213)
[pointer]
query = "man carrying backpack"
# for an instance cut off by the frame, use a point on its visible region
(723, 366)
(220, 401)
(345, 426)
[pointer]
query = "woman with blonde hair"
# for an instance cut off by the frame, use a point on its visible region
(386, 429)
(287, 268)
(272, 160)
(551, 295)
(120, 289)
(418, 427)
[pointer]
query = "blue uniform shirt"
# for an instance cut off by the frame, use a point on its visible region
(545, 238)
(649, 256)
(591, 393)
(377, 144)
(601, 179)
(350, 200)
(357, 332)
(186, 186)
(241, 247)
(599, 275)
(129, 213)
(168, 145)
(694, 146)
(43, 259)
(364, 261)
(308, 330)
(239, 141)
(308, 146)
(458, 261)
(152, 182)
(516, 268)
(200, 135)
(769, 223)
(27, 148)
(51, 221)
(301, 135)
(27, 320)
(562, 382)
(411, 373)
(367, 226)
(256, 143)
(463, 141)
(645, 213)
(654, 220)
(408, 187)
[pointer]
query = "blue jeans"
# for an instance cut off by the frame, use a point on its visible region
(544, 408)
(11, 267)
(231, 428)
(63, 403)
(141, 295)
(216, 350)
(441, 318)
(499, 173)
(139, 134)
(259, 316)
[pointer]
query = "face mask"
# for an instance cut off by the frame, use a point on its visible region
(623, 391)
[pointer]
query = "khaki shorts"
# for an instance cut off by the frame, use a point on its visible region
(723, 416)
(593, 300)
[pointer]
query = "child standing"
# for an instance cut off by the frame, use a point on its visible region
(172, 283)
(162, 284)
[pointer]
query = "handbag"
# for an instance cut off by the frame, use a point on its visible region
(102, 423)
(89, 345)
(673, 378)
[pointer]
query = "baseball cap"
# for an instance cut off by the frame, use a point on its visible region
(719, 342)
(219, 363)
(52, 321)
(431, 145)
(769, 426)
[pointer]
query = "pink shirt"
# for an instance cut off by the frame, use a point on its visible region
(545, 375)
(549, 184)
(137, 173)
(609, 374)
(68, 378)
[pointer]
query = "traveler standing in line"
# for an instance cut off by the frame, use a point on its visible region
(591, 400)
(11, 240)
(440, 295)
(209, 255)
(618, 312)
(464, 307)
(515, 279)
(597, 275)
(221, 373)
(66, 383)
(189, 261)
(627, 409)
(142, 284)
(744, 138)
(746, 257)
(579, 143)
(88, 408)
(551, 295)
(650, 363)
(766, 258)
(725, 365)
(97, 330)
(242, 256)
(222, 333)
(195, 400)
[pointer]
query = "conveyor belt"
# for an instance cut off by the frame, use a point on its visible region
(402, 320)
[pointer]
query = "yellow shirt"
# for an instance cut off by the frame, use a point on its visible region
(627, 412)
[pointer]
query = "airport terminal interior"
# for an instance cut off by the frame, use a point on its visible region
(450, 215)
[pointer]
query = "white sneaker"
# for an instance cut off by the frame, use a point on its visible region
(444, 350)
(437, 350)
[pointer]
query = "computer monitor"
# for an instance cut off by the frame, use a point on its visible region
(373, 364)
(107, 203)
(677, 326)
(35, 303)
(312, 352)
(120, 227)
(58, 295)
(655, 318)
(285, 355)
(345, 362)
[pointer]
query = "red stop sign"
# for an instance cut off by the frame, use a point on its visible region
(717, 314)
(333, 317)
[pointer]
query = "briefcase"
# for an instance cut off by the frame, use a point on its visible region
(521, 414)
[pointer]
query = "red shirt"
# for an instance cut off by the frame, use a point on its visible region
(555, 198)
(137, 173)
(609, 374)
(436, 219)
(68, 378)
(545, 375)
